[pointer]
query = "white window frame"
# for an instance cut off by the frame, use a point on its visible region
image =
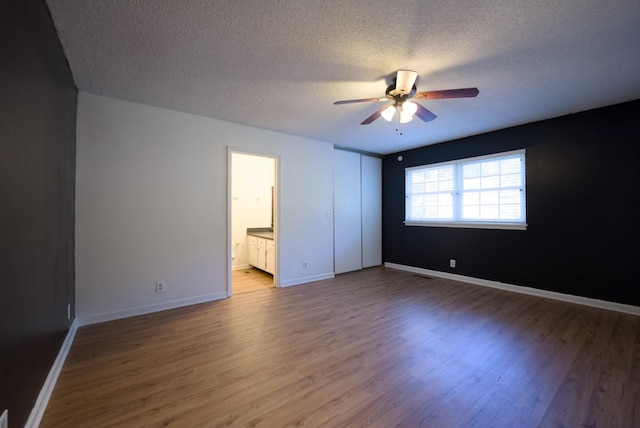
(449, 209)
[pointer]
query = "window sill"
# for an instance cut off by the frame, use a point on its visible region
(468, 225)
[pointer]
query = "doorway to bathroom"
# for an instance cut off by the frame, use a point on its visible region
(253, 230)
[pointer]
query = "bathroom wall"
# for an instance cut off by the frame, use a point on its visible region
(252, 178)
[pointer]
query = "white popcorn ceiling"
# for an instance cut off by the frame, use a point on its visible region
(280, 64)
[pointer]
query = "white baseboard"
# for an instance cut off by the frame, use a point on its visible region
(306, 279)
(602, 304)
(45, 393)
(147, 309)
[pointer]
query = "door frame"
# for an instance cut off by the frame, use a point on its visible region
(253, 151)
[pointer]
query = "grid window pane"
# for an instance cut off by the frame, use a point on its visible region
(471, 183)
(490, 182)
(470, 212)
(471, 170)
(431, 187)
(510, 180)
(510, 166)
(489, 212)
(470, 198)
(510, 197)
(490, 168)
(489, 198)
(509, 212)
(487, 189)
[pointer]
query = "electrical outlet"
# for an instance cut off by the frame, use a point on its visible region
(452, 263)
(304, 265)
(161, 286)
(4, 419)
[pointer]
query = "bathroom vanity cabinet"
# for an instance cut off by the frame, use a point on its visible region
(262, 253)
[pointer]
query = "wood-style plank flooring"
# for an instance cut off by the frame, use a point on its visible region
(250, 279)
(374, 348)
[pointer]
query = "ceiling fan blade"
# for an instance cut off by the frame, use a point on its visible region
(363, 100)
(424, 114)
(449, 93)
(405, 81)
(374, 116)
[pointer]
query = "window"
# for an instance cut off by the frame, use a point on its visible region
(485, 192)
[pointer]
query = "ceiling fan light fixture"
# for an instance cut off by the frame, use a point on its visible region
(404, 117)
(407, 111)
(388, 113)
(409, 107)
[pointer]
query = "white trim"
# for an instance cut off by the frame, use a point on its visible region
(307, 279)
(586, 301)
(240, 267)
(147, 309)
(472, 159)
(229, 264)
(47, 389)
(468, 225)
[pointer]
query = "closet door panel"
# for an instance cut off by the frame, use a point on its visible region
(371, 179)
(347, 212)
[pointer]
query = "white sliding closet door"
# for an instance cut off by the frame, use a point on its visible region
(371, 189)
(347, 211)
(357, 211)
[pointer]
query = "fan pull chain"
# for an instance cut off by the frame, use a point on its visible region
(397, 115)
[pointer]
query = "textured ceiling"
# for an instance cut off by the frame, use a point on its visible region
(280, 64)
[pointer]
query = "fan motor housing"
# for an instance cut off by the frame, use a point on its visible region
(392, 94)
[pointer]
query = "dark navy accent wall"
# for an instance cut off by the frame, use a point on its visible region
(583, 208)
(38, 104)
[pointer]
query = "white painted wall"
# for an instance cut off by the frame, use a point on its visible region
(252, 178)
(151, 205)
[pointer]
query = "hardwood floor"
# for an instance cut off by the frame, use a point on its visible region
(250, 279)
(378, 348)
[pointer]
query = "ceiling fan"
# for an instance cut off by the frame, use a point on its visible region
(400, 91)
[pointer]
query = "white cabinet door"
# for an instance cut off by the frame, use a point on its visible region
(270, 257)
(371, 174)
(347, 212)
(253, 250)
(262, 261)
